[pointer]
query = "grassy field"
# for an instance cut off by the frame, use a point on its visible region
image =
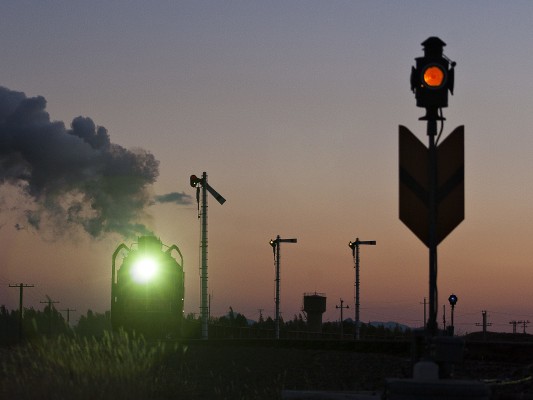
(116, 366)
(123, 367)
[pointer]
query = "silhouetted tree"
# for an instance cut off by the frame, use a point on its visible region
(233, 319)
(269, 323)
(93, 324)
(297, 323)
(191, 317)
(8, 326)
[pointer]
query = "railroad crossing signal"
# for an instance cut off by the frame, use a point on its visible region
(414, 184)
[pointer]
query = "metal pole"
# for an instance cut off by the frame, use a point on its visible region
(204, 301)
(355, 252)
(357, 327)
(453, 308)
(433, 293)
(277, 286)
(275, 246)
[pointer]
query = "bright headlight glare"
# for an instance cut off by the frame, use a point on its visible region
(144, 270)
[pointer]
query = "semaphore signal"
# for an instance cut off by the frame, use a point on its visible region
(201, 183)
(275, 243)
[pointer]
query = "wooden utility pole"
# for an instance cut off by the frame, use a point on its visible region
(342, 319)
(21, 287)
(484, 324)
(50, 304)
(524, 325)
(68, 310)
(424, 303)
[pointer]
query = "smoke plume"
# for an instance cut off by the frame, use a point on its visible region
(72, 176)
(174, 197)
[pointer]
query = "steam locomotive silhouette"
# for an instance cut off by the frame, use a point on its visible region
(147, 289)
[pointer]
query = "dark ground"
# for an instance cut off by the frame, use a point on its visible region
(235, 371)
(262, 372)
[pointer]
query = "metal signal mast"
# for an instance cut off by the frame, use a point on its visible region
(432, 178)
(355, 253)
(201, 183)
(275, 247)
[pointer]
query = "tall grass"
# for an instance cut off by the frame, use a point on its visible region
(117, 366)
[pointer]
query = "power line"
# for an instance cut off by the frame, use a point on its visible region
(506, 313)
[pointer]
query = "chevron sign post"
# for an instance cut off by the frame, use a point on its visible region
(415, 185)
(432, 178)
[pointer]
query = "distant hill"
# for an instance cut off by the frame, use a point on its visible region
(390, 325)
(249, 322)
(387, 325)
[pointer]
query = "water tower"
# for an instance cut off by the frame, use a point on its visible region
(314, 307)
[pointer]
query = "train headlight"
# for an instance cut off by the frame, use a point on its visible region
(144, 270)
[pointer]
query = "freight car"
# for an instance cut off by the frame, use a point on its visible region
(147, 289)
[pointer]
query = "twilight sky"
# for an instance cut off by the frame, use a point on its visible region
(292, 108)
